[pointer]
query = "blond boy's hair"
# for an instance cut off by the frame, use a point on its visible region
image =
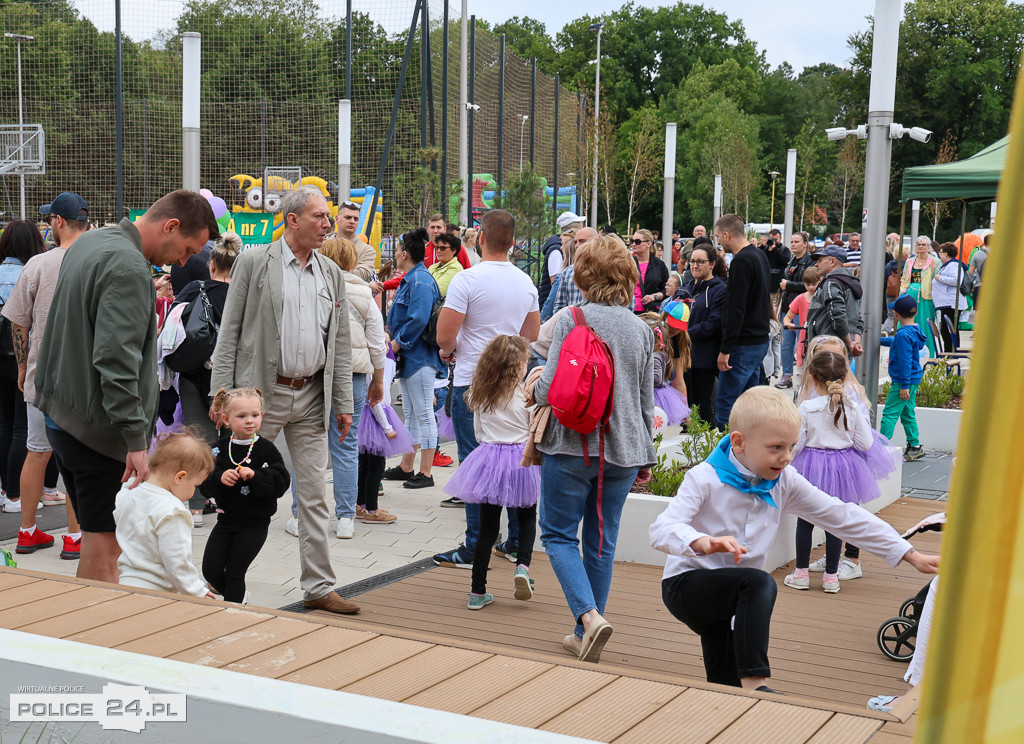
(761, 405)
(182, 450)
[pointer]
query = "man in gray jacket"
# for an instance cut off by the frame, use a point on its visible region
(285, 330)
(835, 306)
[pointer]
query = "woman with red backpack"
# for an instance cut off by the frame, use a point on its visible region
(592, 452)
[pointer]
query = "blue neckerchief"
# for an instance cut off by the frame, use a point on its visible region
(730, 476)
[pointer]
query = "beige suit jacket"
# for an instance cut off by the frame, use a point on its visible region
(249, 343)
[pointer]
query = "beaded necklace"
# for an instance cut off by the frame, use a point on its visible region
(248, 454)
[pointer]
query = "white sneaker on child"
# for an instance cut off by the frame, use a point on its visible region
(794, 582)
(830, 583)
(292, 526)
(818, 566)
(849, 570)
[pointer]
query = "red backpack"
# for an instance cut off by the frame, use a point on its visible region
(582, 391)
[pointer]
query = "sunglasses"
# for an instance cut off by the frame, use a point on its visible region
(638, 241)
(349, 205)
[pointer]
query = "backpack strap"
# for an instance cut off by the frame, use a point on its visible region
(578, 317)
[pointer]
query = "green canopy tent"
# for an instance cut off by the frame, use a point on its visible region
(974, 179)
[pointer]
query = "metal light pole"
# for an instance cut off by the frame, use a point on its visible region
(597, 107)
(669, 199)
(191, 74)
(522, 133)
(464, 114)
(21, 116)
(771, 218)
(787, 227)
(717, 214)
(345, 150)
(915, 222)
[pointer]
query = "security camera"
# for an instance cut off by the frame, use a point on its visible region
(919, 134)
(861, 131)
(835, 134)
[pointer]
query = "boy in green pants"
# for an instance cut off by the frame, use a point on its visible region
(905, 373)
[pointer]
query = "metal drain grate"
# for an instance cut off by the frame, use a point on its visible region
(374, 582)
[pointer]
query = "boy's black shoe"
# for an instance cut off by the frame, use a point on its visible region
(913, 453)
(396, 473)
(766, 688)
(419, 481)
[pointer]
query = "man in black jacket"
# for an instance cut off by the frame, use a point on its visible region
(778, 257)
(745, 319)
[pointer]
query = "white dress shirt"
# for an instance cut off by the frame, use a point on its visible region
(706, 507)
(818, 428)
(305, 316)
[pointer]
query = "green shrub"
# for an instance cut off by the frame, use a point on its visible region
(936, 387)
(667, 474)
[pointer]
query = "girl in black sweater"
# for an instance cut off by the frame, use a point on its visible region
(247, 480)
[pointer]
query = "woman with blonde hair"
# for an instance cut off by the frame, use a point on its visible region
(652, 273)
(571, 491)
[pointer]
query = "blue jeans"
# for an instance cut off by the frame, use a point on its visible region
(746, 369)
(465, 439)
(789, 350)
(440, 396)
(418, 403)
(568, 497)
(344, 455)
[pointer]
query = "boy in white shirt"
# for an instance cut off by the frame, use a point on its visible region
(154, 524)
(722, 522)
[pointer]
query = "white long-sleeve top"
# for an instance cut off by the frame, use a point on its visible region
(946, 286)
(154, 530)
(706, 507)
(818, 428)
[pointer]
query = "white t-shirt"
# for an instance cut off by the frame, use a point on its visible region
(495, 297)
(554, 263)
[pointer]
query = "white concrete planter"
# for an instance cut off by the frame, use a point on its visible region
(939, 428)
(634, 545)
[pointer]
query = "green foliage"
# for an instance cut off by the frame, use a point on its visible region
(525, 200)
(668, 474)
(936, 387)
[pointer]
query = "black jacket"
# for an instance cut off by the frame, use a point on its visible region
(835, 306)
(654, 280)
(705, 324)
(794, 276)
(778, 259)
(747, 302)
(552, 244)
(257, 505)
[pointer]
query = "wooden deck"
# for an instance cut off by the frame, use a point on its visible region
(415, 642)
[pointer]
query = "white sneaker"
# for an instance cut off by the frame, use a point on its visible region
(245, 599)
(793, 582)
(345, 528)
(14, 507)
(830, 585)
(818, 566)
(849, 570)
(292, 526)
(197, 519)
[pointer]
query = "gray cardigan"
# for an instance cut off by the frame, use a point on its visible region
(628, 442)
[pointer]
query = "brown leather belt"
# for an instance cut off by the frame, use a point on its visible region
(296, 383)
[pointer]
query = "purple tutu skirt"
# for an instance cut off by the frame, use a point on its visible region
(445, 427)
(493, 474)
(843, 473)
(883, 459)
(672, 402)
(372, 439)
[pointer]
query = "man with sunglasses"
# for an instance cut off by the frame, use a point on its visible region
(348, 223)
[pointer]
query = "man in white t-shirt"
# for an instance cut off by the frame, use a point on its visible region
(493, 298)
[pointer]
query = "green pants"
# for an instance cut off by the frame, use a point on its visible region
(903, 410)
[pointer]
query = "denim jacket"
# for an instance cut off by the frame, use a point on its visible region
(10, 270)
(408, 317)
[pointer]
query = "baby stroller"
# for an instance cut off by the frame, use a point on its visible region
(897, 636)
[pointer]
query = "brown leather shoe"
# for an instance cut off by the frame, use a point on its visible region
(331, 602)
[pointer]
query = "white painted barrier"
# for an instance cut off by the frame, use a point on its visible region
(939, 428)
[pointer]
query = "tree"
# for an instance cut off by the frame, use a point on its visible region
(814, 155)
(529, 38)
(847, 179)
(638, 157)
(938, 209)
(525, 200)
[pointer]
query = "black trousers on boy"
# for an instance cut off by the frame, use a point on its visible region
(706, 600)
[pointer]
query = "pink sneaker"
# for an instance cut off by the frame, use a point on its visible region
(830, 583)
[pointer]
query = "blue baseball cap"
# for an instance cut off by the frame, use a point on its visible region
(905, 305)
(66, 205)
(832, 250)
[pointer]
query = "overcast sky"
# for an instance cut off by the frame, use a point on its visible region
(801, 32)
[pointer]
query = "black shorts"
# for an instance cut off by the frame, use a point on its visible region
(93, 480)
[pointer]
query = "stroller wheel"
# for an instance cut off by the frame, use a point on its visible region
(908, 610)
(896, 637)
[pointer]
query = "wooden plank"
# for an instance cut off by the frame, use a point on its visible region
(544, 697)
(9, 579)
(778, 723)
(81, 597)
(479, 685)
(34, 591)
(177, 638)
(301, 651)
(416, 674)
(614, 710)
(124, 605)
(233, 647)
(694, 717)
(846, 729)
(883, 737)
(351, 665)
(127, 629)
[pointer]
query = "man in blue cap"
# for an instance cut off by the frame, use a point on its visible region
(835, 306)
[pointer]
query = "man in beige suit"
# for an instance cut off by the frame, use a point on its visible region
(285, 330)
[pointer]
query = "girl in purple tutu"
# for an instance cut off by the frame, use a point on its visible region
(493, 475)
(833, 436)
(671, 359)
(381, 435)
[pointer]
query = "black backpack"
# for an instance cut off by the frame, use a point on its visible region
(200, 336)
(430, 332)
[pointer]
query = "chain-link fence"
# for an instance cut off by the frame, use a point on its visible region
(272, 74)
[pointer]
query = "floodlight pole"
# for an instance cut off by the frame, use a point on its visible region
(191, 55)
(21, 117)
(669, 198)
(787, 228)
(881, 106)
(345, 150)
(464, 114)
(119, 111)
(597, 108)
(717, 214)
